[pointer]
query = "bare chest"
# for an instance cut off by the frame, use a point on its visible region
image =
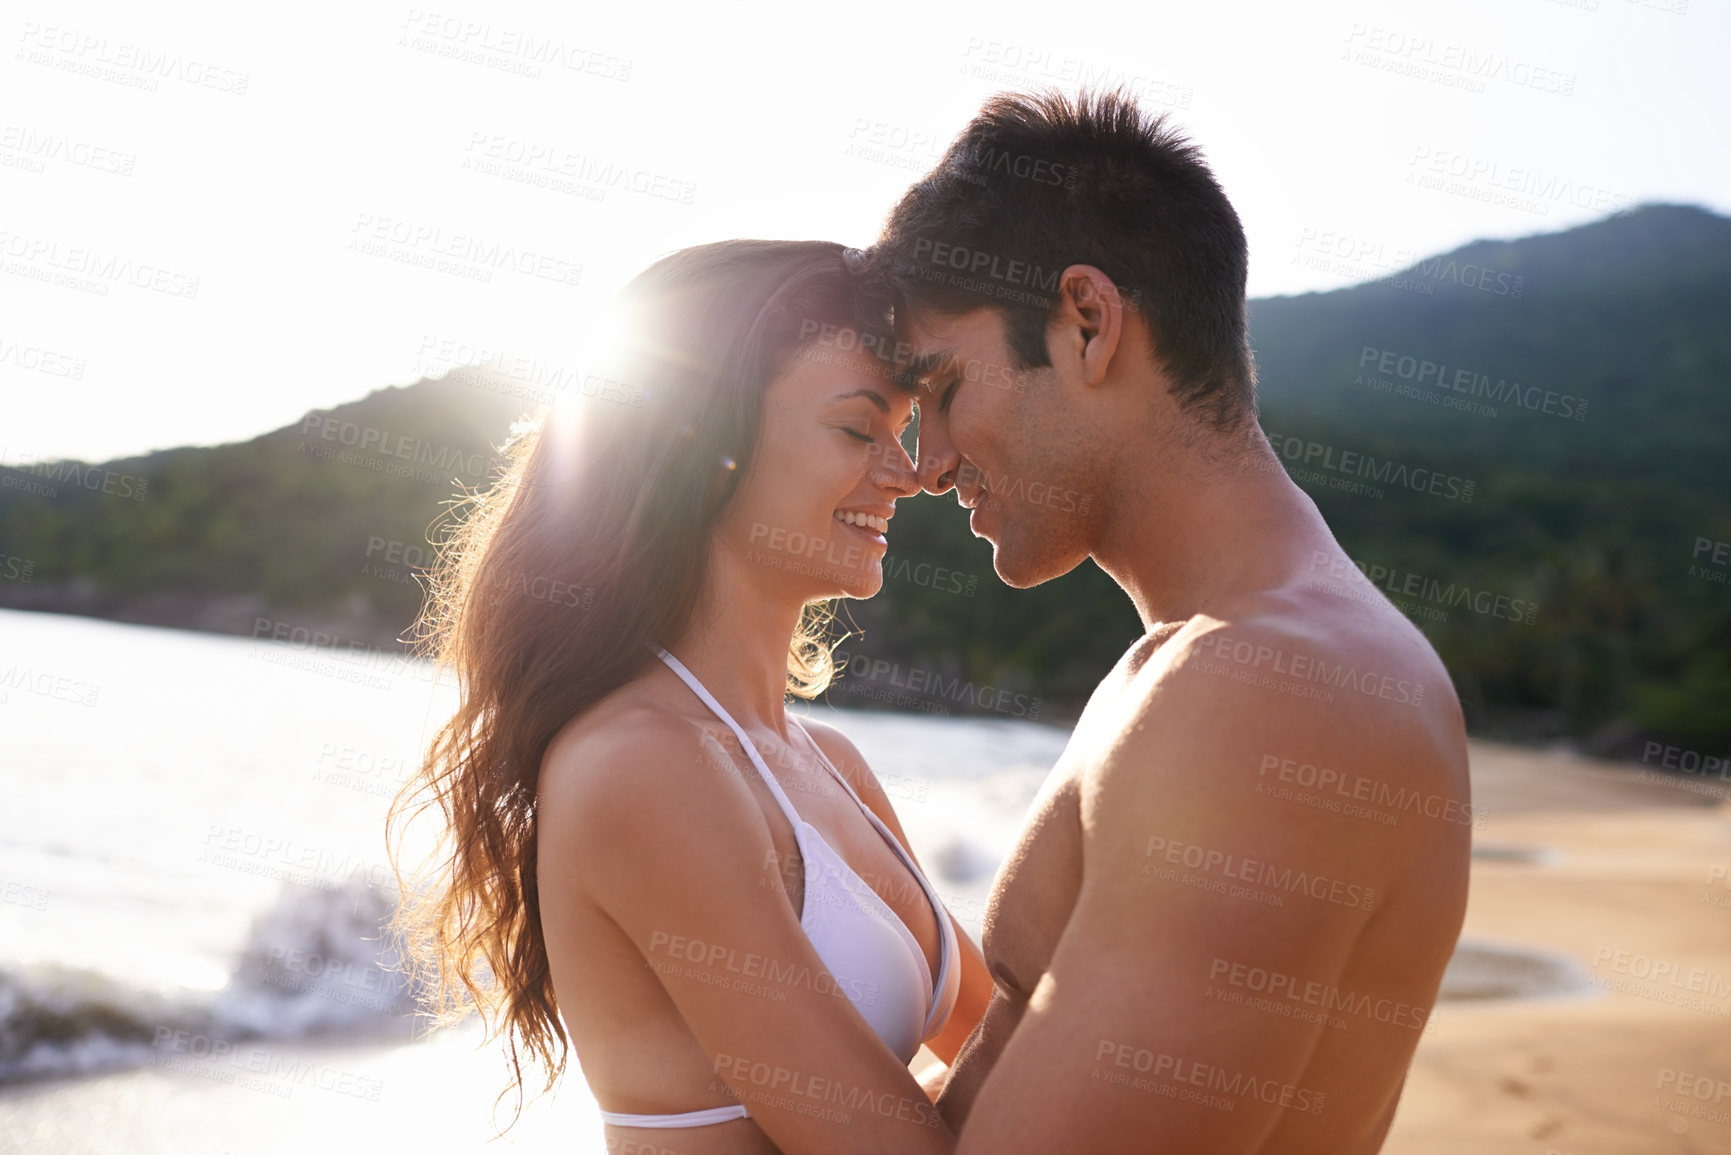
(1036, 889)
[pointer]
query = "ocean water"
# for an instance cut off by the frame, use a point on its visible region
(192, 833)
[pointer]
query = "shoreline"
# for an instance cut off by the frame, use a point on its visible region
(1577, 861)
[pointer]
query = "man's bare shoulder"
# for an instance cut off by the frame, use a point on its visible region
(1286, 698)
(1355, 671)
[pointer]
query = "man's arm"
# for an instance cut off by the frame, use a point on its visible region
(976, 1059)
(1187, 872)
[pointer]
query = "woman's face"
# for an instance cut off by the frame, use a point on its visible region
(812, 513)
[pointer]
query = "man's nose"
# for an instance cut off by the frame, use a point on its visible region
(938, 459)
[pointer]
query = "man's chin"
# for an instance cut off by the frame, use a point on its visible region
(1016, 570)
(1020, 567)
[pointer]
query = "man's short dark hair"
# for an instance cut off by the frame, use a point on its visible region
(1036, 183)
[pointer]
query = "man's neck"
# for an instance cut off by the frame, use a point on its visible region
(1186, 533)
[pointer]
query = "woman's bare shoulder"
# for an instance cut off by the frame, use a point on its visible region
(627, 754)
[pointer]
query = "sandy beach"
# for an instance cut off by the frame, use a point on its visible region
(1640, 1063)
(1620, 881)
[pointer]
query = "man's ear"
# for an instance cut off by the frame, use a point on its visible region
(1088, 322)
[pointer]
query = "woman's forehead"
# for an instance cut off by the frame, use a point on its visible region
(823, 373)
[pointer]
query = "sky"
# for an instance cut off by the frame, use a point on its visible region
(214, 219)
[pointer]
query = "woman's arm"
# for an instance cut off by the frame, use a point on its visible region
(679, 857)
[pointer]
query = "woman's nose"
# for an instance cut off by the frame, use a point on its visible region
(897, 474)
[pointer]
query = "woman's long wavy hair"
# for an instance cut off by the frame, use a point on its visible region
(551, 588)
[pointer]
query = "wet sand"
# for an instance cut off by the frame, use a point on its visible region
(1620, 884)
(1580, 861)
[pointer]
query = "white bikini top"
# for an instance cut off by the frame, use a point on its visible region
(873, 957)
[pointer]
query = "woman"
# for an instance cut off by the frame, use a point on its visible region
(650, 859)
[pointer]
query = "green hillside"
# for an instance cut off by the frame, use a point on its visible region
(1575, 386)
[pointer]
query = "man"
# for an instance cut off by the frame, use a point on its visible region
(1228, 914)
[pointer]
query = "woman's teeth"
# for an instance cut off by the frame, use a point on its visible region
(863, 520)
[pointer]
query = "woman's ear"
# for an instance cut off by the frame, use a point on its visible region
(1088, 323)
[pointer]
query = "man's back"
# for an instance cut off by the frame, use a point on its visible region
(1233, 901)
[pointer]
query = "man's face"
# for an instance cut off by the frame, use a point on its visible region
(999, 436)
